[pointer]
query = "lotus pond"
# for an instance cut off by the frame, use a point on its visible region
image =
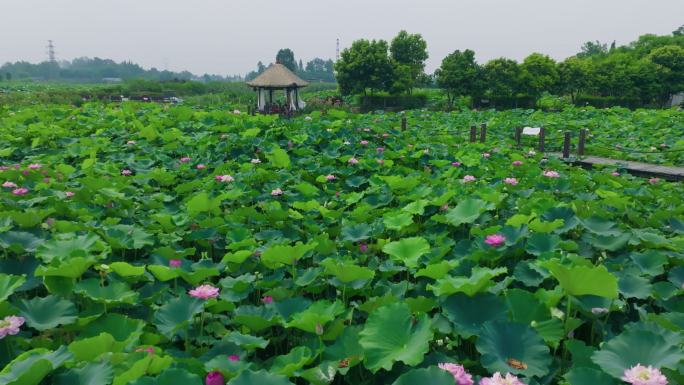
(144, 244)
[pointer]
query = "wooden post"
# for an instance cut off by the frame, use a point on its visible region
(566, 145)
(483, 132)
(403, 123)
(518, 134)
(473, 134)
(542, 134)
(582, 139)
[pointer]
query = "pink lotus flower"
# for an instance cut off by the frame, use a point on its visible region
(511, 181)
(10, 325)
(460, 375)
(185, 159)
(551, 174)
(149, 350)
(126, 172)
(654, 180)
(385, 135)
(642, 375)
(456, 164)
(214, 378)
(46, 180)
(131, 142)
(267, 299)
(224, 178)
(175, 263)
(615, 173)
(380, 149)
(486, 155)
(69, 194)
(364, 143)
(20, 191)
(498, 379)
(353, 160)
(255, 161)
(204, 292)
(363, 247)
(495, 240)
(25, 172)
(3, 168)
(201, 166)
(9, 185)
(468, 178)
(517, 163)
(34, 166)
(276, 192)
(330, 177)
(234, 357)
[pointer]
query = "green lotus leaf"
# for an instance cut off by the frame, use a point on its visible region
(608, 242)
(397, 220)
(164, 273)
(246, 341)
(346, 271)
(407, 250)
(346, 347)
(237, 257)
(588, 376)
(279, 158)
(356, 233)
(650, 262)
(136, 370)
(540, 243)
(417, 207)
(261, 377)
(600, 226)
(583, 280)
(291, 362)
(227, 367)
(276, 256)
(127, 237)
(126, 269)
(31, 367)
(256, 318)
(19, 241)
(391, 334)
(177, 376)
(552, 330)
(8, 284)
(116, 292)
(100, 373)
(633, 347)
(175, 315)
(126, 331)
(70, 245)
(501, 341)
(468, 314)
(467, 211)
(47, 312)
(633, 286)
(525, 307)
(436, 270)
(479, 281)
(90, 349)
(69, 268)
(322, 374)
(318, 313)
(432, 375)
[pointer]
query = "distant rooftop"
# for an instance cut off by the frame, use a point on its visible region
(277, 76)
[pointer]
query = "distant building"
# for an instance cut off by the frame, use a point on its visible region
(677, 99)
(111, 80)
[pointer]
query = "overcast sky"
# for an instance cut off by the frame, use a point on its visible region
(230, 36)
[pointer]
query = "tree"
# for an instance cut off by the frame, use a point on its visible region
(459, 75)
(286, 57)
(502, 77)
(575, 76)
(8, 76)
(592, 48)
(408, 53)
(364, 66)
(669, 61)
(319, 69)
(539, 74)
(301, 66)
(679, 31)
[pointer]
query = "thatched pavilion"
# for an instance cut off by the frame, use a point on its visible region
(278, 77)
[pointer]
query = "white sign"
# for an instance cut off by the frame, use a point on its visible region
(532, 131)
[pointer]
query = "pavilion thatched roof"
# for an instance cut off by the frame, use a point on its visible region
(277, 76)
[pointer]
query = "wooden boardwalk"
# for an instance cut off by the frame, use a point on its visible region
(635, 168)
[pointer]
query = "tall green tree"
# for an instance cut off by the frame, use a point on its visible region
(575, 76)
(286, 57)
(502, 77)
(364, 66)
(539, 73)
(679, 31)
(592, 48)
(408, 53)
(669, 61)
(459, 75)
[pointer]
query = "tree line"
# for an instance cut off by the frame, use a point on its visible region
(96, 69)
(645, 72)
(316, 70)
